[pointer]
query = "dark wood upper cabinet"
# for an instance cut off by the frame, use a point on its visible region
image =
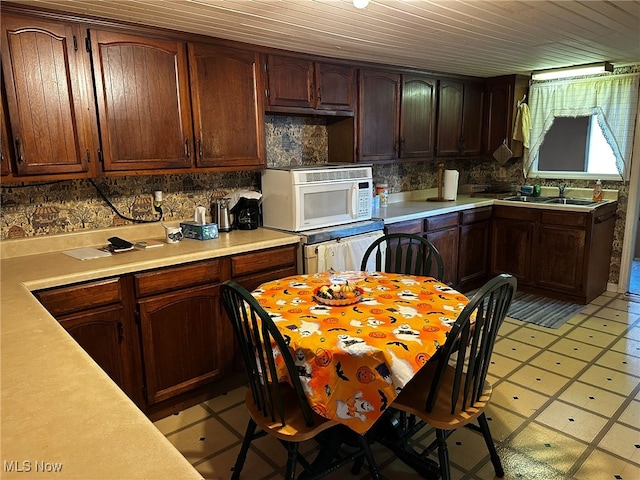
(142, 91)
(378, 116)
(417, 116)
(304, 85)
(460, 118)
(290, 82)
(336, 87)
(49, 96)
(503, 94)
(228, 112)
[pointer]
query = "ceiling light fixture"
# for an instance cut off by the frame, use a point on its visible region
(360, 3)
(588, 69)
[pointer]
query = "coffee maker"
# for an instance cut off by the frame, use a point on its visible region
(247, 214)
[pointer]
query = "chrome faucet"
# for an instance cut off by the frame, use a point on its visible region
(561, 188)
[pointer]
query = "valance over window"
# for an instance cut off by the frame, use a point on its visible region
(613, 99)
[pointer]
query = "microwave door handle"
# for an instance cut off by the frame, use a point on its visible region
(354, 200)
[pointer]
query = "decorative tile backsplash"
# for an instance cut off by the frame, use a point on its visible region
(74, 205)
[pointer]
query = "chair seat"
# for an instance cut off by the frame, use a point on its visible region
(413, 399)
(295, 428)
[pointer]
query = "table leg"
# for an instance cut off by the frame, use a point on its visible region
(387, 431)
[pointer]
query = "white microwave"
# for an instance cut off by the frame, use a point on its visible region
(304, 198)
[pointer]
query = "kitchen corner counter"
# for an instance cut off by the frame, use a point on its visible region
(416, 206)
(59, 409)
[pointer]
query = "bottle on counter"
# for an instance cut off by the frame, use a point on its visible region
(537, 188)
(382, 191)
(597, 192)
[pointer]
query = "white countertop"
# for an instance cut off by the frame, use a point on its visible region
(57, 405)
(415, 205)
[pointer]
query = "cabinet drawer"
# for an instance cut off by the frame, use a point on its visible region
(566, 219)
(262, 260)
(476, 215)
(411, 226)
(441, 221)
(83, 296)
(174, 278)
(515, 213)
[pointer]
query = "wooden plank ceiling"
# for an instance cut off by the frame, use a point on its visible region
(478, 38)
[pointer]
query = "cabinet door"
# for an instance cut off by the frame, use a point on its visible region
(101, 333)
(472, 113)
(182, 341)
(448, 137)
(558, 259)
(474, 250)
(290, 82)
(48, 85)
(511, 244)
(142, 93)
(336, 87)
(378, 116)
(417, 116)
(446, 241)
(499, 95)
(503, 94)
(228, 113)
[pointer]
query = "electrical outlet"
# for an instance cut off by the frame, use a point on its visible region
(157, 199)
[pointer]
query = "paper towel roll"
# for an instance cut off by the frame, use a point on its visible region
(450, 189)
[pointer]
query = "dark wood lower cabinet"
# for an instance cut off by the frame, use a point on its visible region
(463, 240)
(98, 316)
(442, 232)
(183, 342)
(562, 254)
(511, 242)
(474, 248)
(162, 335)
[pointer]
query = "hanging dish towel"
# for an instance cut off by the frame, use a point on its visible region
(356, 248)
(332, 256)
(346, 255)
(522, 130)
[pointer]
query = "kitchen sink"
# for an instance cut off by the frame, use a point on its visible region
(585, 202)
(526, 198)
(570, 201)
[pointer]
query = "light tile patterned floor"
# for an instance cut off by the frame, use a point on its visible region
(566, 406)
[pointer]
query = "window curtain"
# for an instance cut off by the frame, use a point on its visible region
(614, 99)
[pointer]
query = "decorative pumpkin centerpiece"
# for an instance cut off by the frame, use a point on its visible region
(338, 294)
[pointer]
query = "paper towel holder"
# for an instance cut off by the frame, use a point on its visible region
(439, 198)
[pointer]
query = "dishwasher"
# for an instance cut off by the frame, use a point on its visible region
(339, 248)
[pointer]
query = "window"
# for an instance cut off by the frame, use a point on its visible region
(574, 147)
(590, 120)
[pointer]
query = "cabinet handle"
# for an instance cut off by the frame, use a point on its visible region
(200, 152)
(187, 152)
(604, 218)
(19, 152)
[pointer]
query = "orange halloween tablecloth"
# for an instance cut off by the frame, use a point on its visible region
(353, 360)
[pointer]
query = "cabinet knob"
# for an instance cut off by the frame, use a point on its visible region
(187, 151)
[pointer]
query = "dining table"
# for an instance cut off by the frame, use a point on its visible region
(355, 359)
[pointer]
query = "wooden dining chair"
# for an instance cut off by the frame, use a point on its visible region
(405, 253)
(277, 405)
(454, 391)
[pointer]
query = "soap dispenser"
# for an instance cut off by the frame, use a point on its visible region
(597, 192)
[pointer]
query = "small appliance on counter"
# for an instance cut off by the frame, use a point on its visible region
(247, 214)
(297, 199)
(221, 215)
